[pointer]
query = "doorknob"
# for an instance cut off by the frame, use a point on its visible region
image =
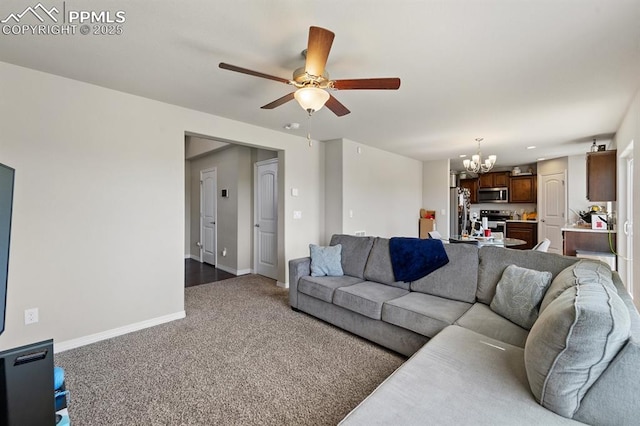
(542, 220)
(213, 223)
(257, 225)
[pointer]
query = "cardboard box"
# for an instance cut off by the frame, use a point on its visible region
(425, 226)
(427, 214)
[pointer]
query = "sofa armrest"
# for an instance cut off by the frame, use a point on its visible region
(613, 398)
(297, 268)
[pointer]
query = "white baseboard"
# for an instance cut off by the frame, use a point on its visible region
(236, 272)
(192, 256)
(282, 285)
(108, 334)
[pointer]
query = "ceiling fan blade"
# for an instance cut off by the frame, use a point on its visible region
(367, 83)
(230, 67)
(334, 105)
(278, 102)
(318, 47)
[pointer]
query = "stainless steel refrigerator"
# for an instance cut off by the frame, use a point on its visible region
(460, 209)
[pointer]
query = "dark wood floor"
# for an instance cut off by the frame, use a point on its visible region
(196, 273)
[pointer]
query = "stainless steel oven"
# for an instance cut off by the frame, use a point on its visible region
(496, 219)
(493, 195)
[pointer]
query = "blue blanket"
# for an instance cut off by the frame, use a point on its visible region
(413, 258)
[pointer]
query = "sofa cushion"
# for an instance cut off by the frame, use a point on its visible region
(572, 343)
(494, 260)
(458, 378)
(323, 287)
(481, 319)
(581, 271)
(423, 313)
(456, 280)
(355, 252)
(519, 293)
(326, 261)
(366, 298)
(379, 267)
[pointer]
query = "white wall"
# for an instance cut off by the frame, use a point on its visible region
(381, 193)
(187, 209)
(195, 146)
(234, 213)
(98, 226)
(577, 186)
(435, 192)
(627, 140)
(333, 206)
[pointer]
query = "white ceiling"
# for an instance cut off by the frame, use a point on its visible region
(553, 74)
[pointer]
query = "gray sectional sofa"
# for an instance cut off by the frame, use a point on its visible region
(578, 363)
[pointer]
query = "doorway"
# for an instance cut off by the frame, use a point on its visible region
(266, 218)
(552, 206)
(208, 213)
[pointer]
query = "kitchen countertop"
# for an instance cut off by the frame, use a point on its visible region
(522, 221)
(573, 228)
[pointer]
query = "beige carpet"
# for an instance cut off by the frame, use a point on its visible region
(240, 357)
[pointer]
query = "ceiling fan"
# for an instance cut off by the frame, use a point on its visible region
(312, 81)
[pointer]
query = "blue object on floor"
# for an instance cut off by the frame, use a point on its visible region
(58, 377)
(64, 421)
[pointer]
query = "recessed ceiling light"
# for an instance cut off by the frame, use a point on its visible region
(531, 147)
(292, 126)
(463, 155)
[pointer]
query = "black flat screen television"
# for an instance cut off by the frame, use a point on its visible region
(6, 205)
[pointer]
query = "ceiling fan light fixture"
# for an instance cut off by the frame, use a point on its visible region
(311, 99)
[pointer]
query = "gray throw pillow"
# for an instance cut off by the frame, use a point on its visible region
(326, 260)
(573, 342)
(519, 293)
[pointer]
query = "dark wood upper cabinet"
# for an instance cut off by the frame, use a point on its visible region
(601, 176)
(523, 189)
(494, 180)
(472, 186)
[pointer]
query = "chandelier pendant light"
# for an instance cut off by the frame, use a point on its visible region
(476, 164)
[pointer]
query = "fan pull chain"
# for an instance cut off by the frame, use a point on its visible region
(309, 131)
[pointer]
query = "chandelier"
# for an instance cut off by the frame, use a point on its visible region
(476, 165)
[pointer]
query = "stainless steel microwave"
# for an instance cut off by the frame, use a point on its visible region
(493, 195)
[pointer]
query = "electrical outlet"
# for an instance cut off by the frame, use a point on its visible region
(30, 316)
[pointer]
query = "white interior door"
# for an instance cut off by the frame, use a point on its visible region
(266, 218)
(208, 185)
(627, 228)
(552, 202)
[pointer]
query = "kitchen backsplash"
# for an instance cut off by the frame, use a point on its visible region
(518, 208)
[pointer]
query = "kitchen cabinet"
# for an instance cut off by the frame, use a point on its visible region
(601, 176)
(523, 231)
(494, 180)
(472, 186)
(587, 240)
(523, 189)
